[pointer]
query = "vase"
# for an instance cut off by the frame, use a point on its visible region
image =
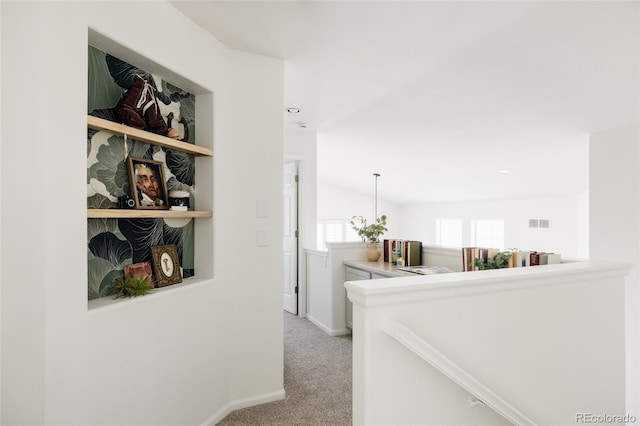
(373, 254)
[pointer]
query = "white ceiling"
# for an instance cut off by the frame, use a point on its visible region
(437, 96)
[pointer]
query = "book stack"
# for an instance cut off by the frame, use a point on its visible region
(518, 258)
(521, 258)
(542, 258)
(470, 254)
(410, 251)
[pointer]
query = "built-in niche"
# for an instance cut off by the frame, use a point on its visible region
(115, 240)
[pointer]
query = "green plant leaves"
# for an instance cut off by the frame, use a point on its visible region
(132, 287)
(499, 261)
(370, 232)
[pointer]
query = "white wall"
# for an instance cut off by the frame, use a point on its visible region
(565, 235)
(568, 234)
(335, 202)
(615, 229)
(252, 171)
(582, 223)
(319, 289)
(185, 355)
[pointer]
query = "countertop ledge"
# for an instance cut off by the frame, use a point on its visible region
(386, 269)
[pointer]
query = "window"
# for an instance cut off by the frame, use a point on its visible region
(488, 233)
(449, 232)
(335, 231)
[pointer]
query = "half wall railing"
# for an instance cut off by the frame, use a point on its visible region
(446, 366)
(539, 345)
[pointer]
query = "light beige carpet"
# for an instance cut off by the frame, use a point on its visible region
(317, 381)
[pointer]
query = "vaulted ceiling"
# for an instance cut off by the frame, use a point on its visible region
(439, 96)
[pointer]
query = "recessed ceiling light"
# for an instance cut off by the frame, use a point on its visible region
(293, 110)
(504, 172)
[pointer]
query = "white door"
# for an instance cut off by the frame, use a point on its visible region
(290, 237)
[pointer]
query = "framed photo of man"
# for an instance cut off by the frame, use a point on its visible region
(147, 184)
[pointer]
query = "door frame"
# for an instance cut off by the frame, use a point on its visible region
(291, 237)
(302, 264)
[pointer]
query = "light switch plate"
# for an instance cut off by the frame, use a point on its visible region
(263, 237)
(263, 211)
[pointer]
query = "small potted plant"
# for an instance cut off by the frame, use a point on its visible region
(132, 287)
(499, 261)
(370, 233)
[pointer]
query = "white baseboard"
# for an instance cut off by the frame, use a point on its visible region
(329, 331)
(243, 403)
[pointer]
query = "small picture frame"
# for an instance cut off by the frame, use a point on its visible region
(166, 265)
(147, 184)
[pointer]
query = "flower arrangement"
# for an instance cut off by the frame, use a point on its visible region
(369, 233)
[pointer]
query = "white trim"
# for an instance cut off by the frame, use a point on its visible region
(303, 224)
(303, 238)
(329, 331)
(243, 403)
(345, 245)
(315, 252)
(453, 371)
(437, 286)
(300, 264)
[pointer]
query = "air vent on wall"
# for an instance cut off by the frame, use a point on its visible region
(539, 223)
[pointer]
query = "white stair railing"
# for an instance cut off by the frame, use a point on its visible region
(427, 352)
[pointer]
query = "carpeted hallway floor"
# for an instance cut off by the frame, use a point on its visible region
(317, 381)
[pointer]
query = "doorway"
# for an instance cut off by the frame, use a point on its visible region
(290, 237)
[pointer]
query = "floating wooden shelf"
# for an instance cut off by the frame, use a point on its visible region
(145, 214)
(142, 135)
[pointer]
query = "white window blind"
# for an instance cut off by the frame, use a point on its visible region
(335, 231)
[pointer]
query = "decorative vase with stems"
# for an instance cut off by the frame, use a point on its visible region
(370, 234)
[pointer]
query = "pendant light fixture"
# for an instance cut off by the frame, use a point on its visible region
(376, 176)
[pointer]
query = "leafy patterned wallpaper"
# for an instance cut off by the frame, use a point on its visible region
(114, 243)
